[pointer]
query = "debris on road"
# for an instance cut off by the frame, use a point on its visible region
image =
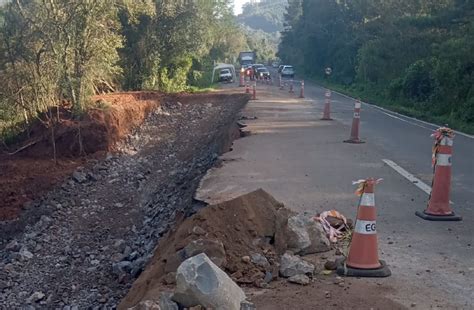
(302, 235)
(200, 282)
(334, 224)
(292, 265)
(244, 237)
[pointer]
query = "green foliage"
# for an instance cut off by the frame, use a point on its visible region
(262, 22)
(266, 15)
(417, 55)
(59, 51)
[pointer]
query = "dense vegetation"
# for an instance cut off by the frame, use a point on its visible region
(63, 51)
(414, 55)
(262, 22)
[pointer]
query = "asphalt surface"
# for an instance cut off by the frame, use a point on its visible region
(302, 161)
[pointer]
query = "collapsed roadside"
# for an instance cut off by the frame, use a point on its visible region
(100, 227)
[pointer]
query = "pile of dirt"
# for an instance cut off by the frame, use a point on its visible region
(245, 227)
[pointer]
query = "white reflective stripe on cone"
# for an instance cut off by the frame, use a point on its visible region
(358, 105)
(365, 227)
(356, 115)
(447, 141)
(368, 200)
(443, 160)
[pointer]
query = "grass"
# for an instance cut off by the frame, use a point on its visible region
(372, 97)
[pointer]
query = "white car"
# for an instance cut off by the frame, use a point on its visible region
(288, 71)
(225, 76)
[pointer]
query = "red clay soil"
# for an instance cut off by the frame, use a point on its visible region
(237, 223)
(30, 173)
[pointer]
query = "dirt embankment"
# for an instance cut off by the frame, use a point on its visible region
(97, 229)
(29, 173)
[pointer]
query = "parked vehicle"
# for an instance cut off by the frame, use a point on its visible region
(288, 71)
(280, 67)
(225, 76)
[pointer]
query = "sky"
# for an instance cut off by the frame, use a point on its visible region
(238, 6)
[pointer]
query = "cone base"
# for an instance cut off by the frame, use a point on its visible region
(354, 141)
(381, 272)
(326, 119)
(444, 218)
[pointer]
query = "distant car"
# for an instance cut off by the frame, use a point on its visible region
(263, 73)
(280, 67)
(225, 76)
(288, 71)
(255, 68)
(275, 64)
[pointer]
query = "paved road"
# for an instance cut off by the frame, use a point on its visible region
(302, 161)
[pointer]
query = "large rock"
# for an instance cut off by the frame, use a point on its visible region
(292, 265)
(302, 235)
(200, 282)
(214, 249)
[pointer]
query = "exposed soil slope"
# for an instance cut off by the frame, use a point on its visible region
(97, 231)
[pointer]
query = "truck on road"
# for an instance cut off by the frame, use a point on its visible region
(247, 58)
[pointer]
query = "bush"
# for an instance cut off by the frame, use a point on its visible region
(418, 82)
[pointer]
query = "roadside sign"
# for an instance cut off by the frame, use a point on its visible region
(328, 71)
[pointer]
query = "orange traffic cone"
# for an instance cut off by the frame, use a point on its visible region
(254, 93)
(242, 79)
(355, 125)
(438, 205)
(363, 259)
(327, 107)
(247, 88)
(302, 90)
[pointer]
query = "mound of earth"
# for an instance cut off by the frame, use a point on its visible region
(243, 236)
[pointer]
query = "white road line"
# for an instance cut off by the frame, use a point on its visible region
(404, 120)
(414, 120)
(410, 177)
(407, 175)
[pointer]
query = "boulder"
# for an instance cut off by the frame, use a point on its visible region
(214, 249)
(299, 279)
(302, 235)
(200, 282)
(292, 265)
